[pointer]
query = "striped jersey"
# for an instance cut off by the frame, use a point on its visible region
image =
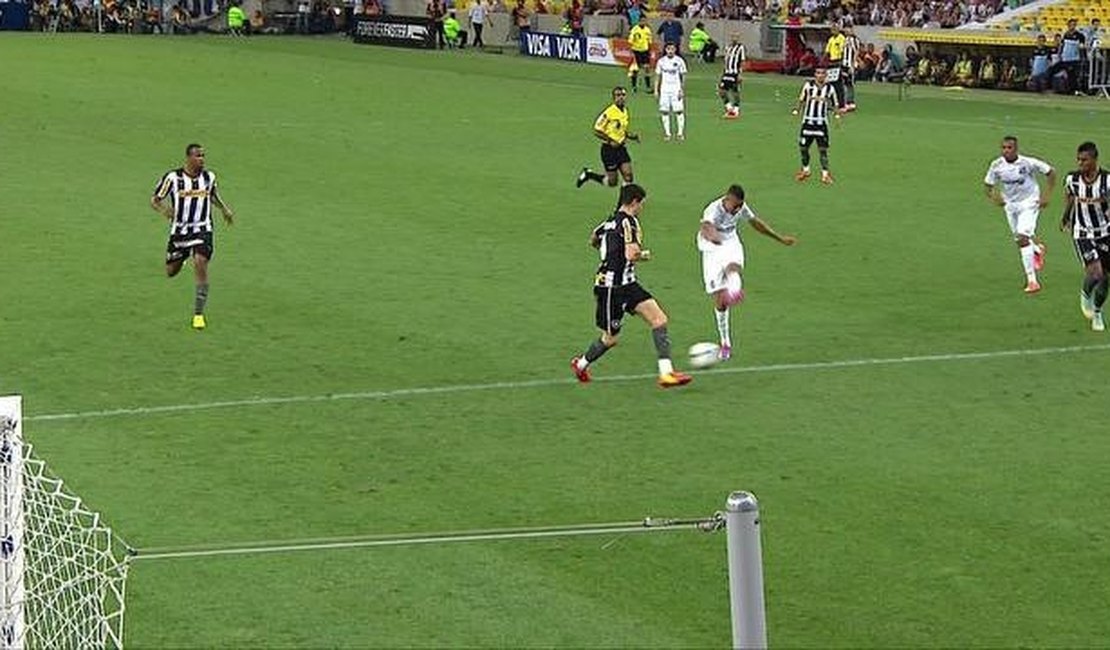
(850, 52)
(615, 269)
(1090, 203)
(816, 101)
(192, 200)
(734, 60)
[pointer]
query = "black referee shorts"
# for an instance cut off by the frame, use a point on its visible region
(613, 157)
(182, 246)
(643, 59)
(614, 302)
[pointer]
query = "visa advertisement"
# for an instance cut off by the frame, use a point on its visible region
(591, 49)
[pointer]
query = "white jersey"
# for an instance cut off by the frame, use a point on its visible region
(724, 221)
(670, 70)
(1018, 178)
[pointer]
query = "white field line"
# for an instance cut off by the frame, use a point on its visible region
(278, 547)
(541, 383)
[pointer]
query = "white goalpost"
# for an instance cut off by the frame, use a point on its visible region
(63, 571)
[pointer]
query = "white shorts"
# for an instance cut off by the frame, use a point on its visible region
(715, 258)
(1023, 217)
(670, 102)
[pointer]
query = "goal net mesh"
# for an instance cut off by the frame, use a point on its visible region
(65, 589)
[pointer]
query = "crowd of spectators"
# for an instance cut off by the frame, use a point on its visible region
(146, 17)
(886, 13)
(1055, 65)
(129, 16)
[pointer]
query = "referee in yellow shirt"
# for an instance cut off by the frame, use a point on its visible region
(834, 54)
(639, 41)
(611, 127)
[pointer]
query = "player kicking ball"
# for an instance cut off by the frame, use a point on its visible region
(722, 255)
(1021, 198)
(670, 88)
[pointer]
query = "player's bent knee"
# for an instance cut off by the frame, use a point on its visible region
(610, 340)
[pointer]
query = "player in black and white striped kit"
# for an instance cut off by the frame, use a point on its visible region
(1087, 215)
(732, 78)
(814, 102)
(185, 197)
(617, 291)
(848, 69)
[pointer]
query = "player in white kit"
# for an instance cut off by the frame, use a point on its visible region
(722, 255)
(1021, 198)
(670, 88)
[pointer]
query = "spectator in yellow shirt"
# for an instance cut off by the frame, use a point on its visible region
(639, 41)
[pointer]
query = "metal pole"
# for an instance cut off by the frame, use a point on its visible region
(745, 571)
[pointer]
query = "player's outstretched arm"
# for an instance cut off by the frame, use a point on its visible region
(761, 226)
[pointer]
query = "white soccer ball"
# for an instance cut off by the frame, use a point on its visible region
(704, 355)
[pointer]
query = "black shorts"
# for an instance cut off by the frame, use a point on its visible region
(182, 246)
(613, 157)
(642, 58)
(614, 302)
(1090, 250)
(811, 133)
(729, 82)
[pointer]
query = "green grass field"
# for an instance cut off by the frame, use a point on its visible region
(409, 220)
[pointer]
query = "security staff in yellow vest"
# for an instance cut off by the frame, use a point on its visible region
(235, 19)
(639, 41)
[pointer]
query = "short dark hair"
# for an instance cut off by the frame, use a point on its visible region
(617, 89)
(1010, 138)
(632, 192)
(736, 190)
(1089, 148)
(190, 148)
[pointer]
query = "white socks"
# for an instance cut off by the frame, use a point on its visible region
(722, 326)
(665, 367)
(680, 120)
(1027, 253)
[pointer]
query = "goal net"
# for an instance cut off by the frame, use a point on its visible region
(63, 571)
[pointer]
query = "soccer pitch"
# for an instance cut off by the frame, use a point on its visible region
(927, 443)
